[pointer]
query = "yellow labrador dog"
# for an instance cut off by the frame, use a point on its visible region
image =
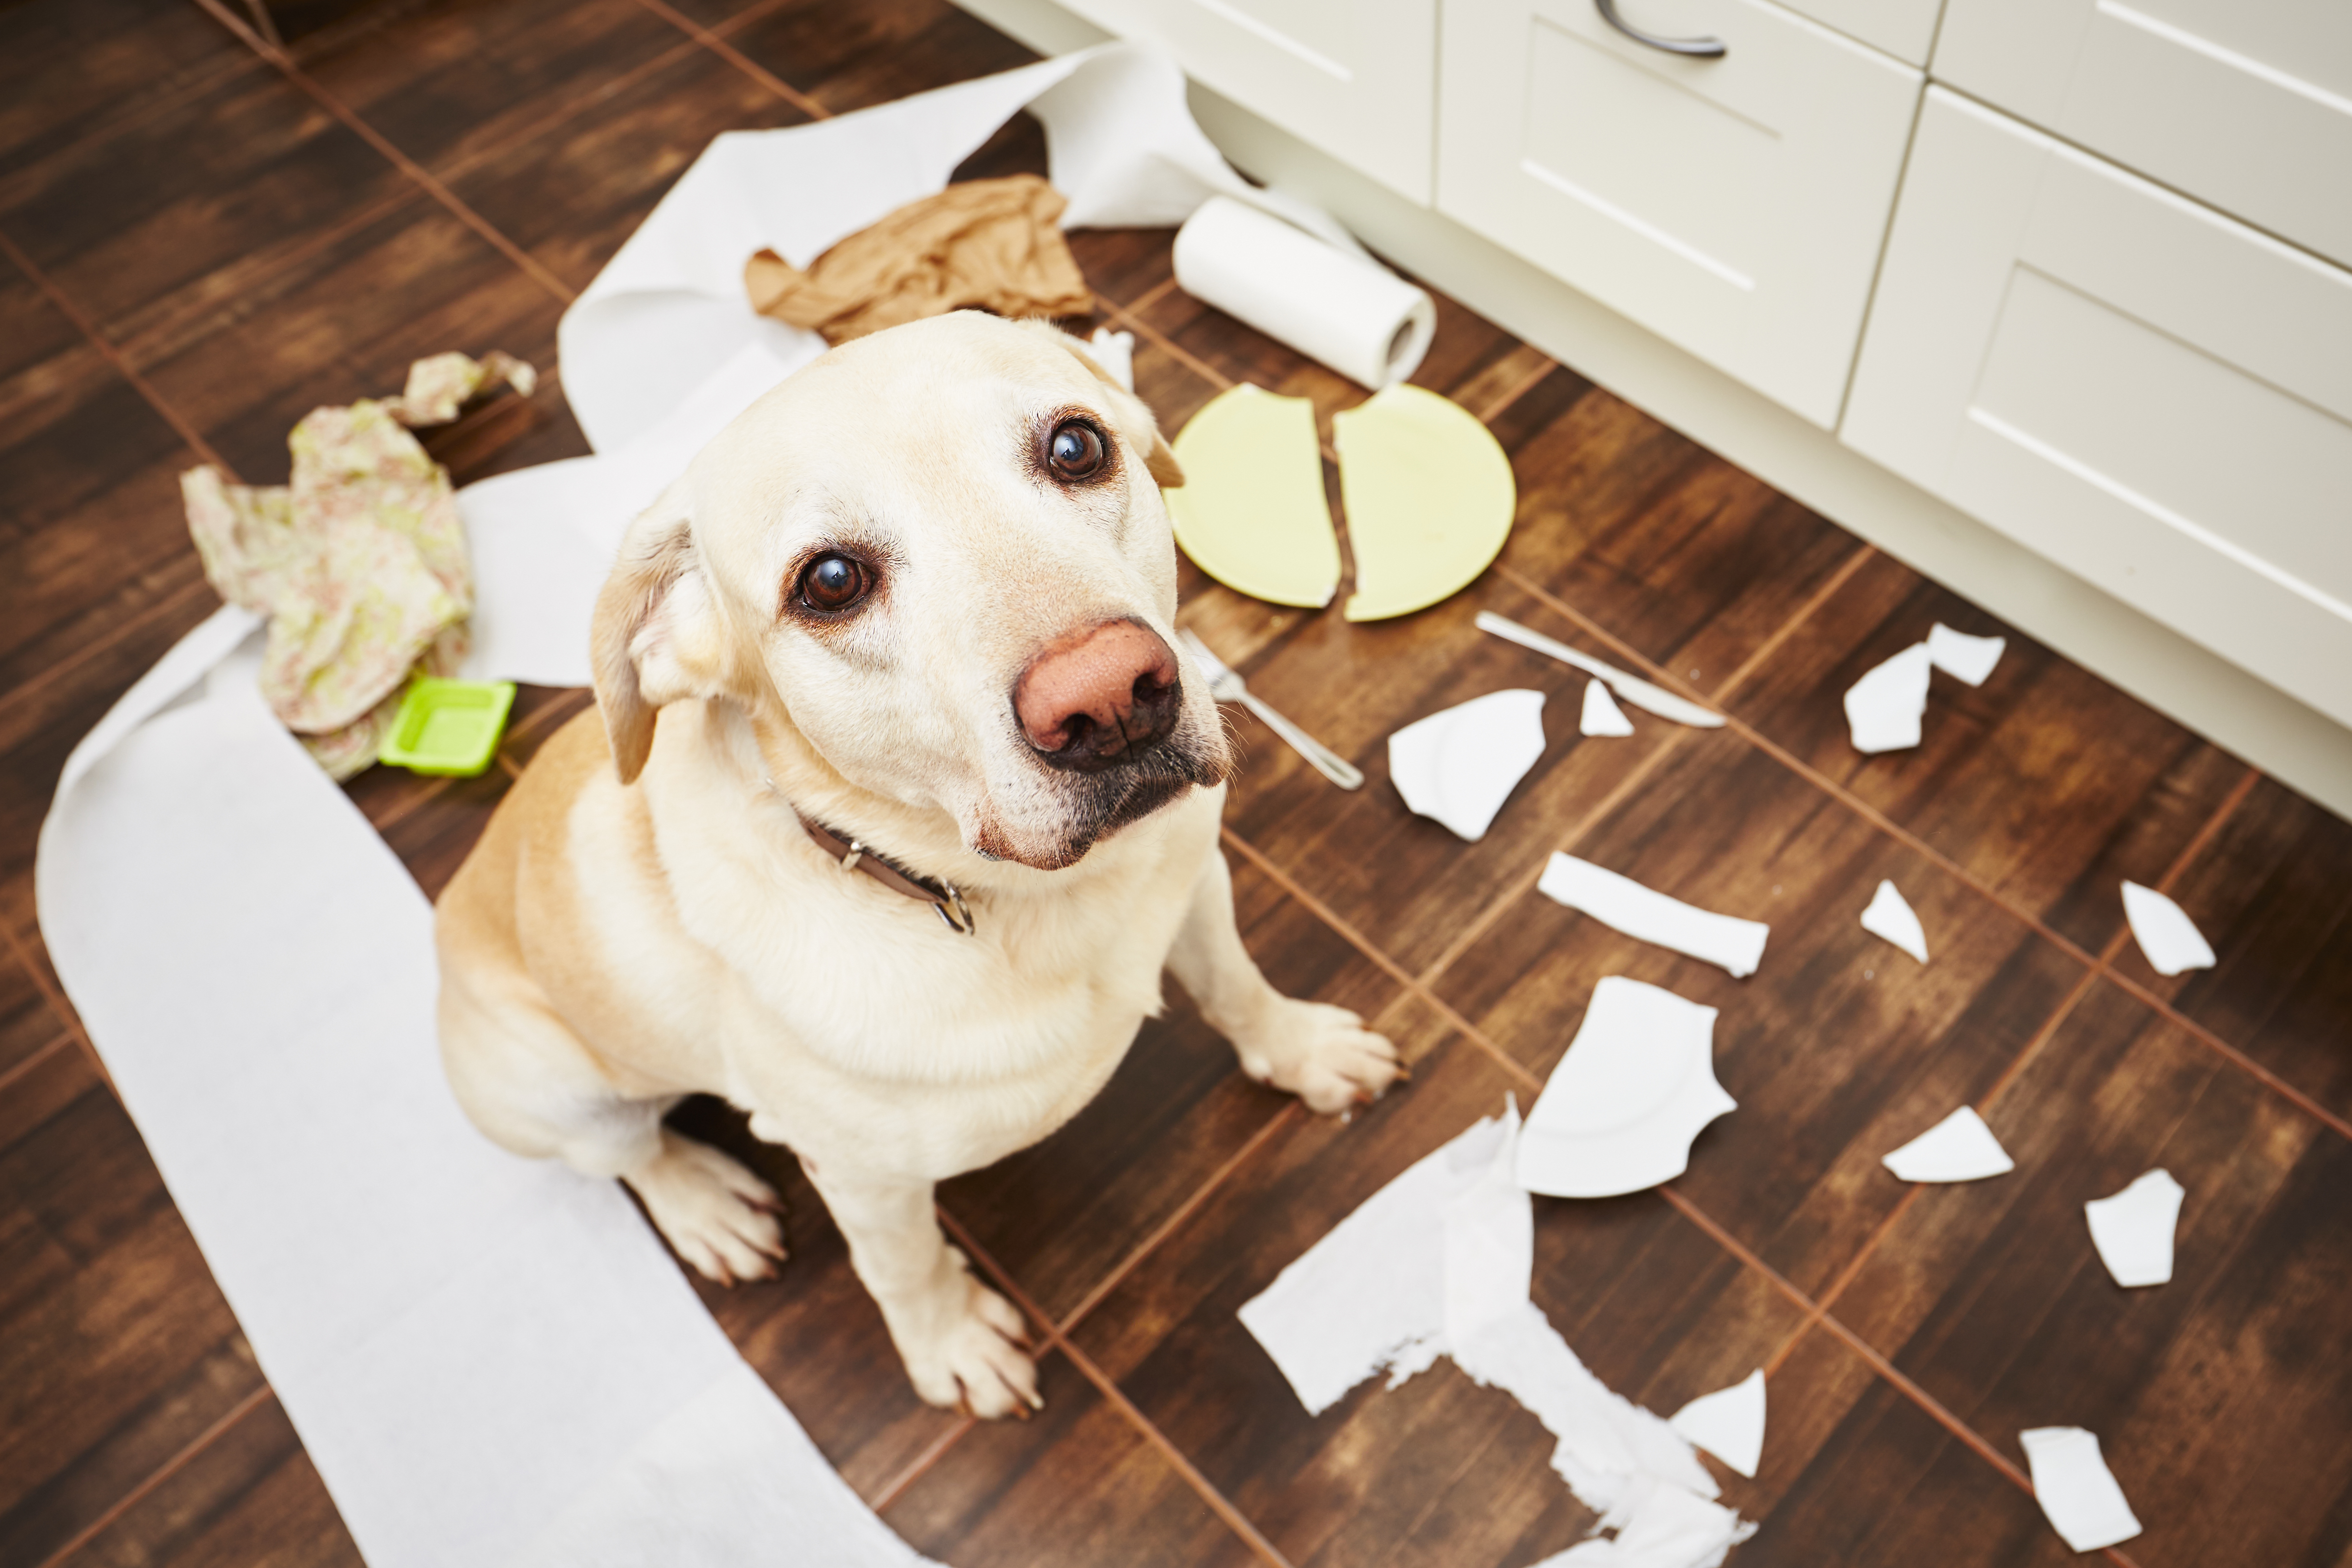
(895, 807)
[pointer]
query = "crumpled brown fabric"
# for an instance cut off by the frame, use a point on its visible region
(994, 243)
(359, 562)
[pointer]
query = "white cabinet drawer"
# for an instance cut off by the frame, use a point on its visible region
(2246, 104)
(2153, 397)
(1904, 28)
(1355, 78)
(1732, 205)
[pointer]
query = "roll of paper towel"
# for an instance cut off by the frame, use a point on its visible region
(1351, 313)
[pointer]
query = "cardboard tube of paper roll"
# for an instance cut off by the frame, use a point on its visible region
(1351, 314)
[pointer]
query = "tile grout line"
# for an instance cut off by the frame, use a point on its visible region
(1525, 384)
(25, 1069)
(1168, 345)
(122, 630)
(921, 1465)
(163, 1473)
(718, 45)
(1054, 1339)
(408, 166)
(1804, 613)
(59, 1007)
(113, 356)
(1222, 1506)
(1199, 1194)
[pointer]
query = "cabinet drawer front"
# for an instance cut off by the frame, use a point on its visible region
(2246, 104)
(1904, 28)
(1355, 78)
(2154, 396)
(1732, 205)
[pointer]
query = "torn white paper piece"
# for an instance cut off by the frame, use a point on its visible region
(1460, 765)
(1728, 1423)
(1438, 1262)
(2075, 1488)
(1889, 916)
(1601, 715)
(1962, 656)
(2132, 1230)
(2165, 933)
(1626, 906)
(1882, 709)
(1621, 1109)
(1960, 1147)
(1115, 353)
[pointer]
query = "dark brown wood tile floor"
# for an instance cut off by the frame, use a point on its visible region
(204, 233)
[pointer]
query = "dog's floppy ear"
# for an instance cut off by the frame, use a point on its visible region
(655, 636)
(1129, 412)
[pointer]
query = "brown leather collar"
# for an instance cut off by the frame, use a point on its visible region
(943, 896)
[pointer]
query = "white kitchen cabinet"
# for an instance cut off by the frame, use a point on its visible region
(2147, 393)
(1732, 205)
(1356, 77)
(1904, 28)
(2246, 104)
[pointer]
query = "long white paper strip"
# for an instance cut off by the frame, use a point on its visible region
(1891, 916)
(2165, 933)
(1882, 709)
(2133, 1229)
(1460, 763)
(492, 1360)
(1636, 1086)
(1961, 656)
(1728, 1423)
(1960, 1147)
(1439, 1262)
(1626, 906)
(1601, 715)
(2075, 1488)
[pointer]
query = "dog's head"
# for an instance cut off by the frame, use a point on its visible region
(939, 553)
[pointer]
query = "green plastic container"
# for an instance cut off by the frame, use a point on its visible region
(449, 727)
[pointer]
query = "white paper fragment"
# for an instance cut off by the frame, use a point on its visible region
(1960, 1147)
(2075, 1488)
(1624, 905)
(1438, 1263)
(2132, 1230)
(1621, 1109)
(1115, 353)
(1882, 708)
(2165, 934)
(1962, 656)
(1889, 916)
(1728, 1423)
(1458, 765)
(1601, 715)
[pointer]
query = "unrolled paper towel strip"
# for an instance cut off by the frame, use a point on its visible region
(1345, 310)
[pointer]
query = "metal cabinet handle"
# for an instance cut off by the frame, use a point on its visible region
(1705, 48)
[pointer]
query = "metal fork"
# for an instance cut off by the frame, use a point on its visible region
(1226, 686)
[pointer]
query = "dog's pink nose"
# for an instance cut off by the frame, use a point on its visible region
(1098, 696)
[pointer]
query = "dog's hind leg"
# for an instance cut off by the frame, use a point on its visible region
(1321, 1053)
(529, 1083)
(962, 1342)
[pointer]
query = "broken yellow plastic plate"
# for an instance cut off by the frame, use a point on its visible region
(448, 726)
(1430, 499)
(1251, 512)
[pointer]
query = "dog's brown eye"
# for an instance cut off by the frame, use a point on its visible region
(1076, 450)
(833, 582)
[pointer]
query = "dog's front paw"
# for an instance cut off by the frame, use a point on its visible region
(1323, 1054)
(973, 1359)
(718, 1216)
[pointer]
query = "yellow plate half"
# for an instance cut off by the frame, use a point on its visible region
(1429, 494)
(1251, 512)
